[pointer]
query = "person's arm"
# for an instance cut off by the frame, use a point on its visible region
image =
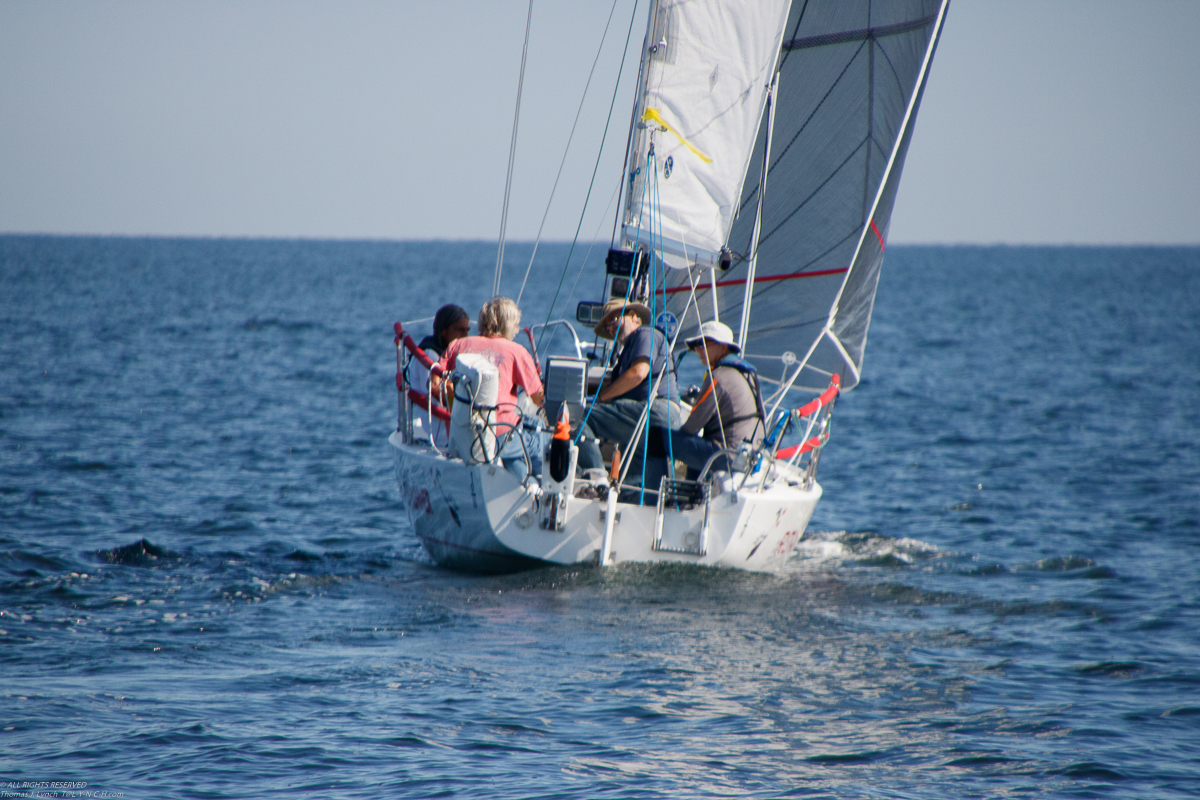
(437, 390)
(526, 375)
(703, 411)
(627, 380)
(442, 368)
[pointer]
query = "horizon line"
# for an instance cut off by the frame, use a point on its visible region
(527, 242)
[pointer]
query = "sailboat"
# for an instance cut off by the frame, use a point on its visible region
(765, 151)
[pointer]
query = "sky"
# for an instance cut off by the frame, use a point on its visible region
(1044, 121)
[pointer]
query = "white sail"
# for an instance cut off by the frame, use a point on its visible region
(705, 72)
(850, 81)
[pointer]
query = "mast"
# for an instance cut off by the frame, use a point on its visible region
(632, 151)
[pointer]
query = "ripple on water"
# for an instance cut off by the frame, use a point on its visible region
(207, 586)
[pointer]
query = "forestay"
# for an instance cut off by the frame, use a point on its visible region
(850, 82)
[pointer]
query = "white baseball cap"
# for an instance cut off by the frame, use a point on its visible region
(717, 332)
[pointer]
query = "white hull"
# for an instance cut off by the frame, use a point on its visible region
(479, 518)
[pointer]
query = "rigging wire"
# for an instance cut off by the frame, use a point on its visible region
(512, 155)
(708, 370)
(644, 418)
(596, 396)
(595, 169)
(748, 298)
(592, 246)
(566, 150)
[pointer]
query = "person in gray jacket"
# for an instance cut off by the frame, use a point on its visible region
(729, 411)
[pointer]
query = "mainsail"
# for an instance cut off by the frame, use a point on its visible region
(704, 78)
(850, 78)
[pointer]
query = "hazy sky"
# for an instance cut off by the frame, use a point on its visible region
(1045, 121)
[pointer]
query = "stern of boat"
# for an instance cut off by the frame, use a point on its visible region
(446, 504)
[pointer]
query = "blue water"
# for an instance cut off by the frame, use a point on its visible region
(208, 588)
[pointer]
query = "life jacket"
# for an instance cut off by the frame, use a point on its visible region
(433, 348)
(750, 373)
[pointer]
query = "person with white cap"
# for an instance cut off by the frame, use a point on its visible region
(729, 411)
(643, 357)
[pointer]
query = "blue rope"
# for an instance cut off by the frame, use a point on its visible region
(670, 382)
(652, 279)
(670, 444)
(651, 169)
(666, 342)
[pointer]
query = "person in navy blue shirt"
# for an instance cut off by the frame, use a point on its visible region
(642, 359)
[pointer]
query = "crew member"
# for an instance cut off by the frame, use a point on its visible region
(642, 359)
(730, 409)
(449, 323)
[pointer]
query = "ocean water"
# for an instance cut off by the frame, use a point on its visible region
(208, 588)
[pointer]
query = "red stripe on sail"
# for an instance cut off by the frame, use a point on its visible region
(764, 279)
(877, 236)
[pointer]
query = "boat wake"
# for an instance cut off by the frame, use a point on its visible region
(820, 549)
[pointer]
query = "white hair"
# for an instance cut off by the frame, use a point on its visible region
(499, 317)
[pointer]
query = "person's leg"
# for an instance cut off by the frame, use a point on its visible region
(520, 452)
(516, 466)
(663, 415)
(613, 421)
(589, 452)
(666, 414)
(647, 464)
(655, 469)
(693, 451)
(535, 445)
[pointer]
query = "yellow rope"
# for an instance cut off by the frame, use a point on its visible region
(655, 115)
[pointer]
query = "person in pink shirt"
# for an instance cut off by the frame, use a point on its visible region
(499, 321)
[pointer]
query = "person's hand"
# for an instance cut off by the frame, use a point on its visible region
(437, 386)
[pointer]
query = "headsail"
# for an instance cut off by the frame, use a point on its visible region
(850, 81)
(705, 72)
